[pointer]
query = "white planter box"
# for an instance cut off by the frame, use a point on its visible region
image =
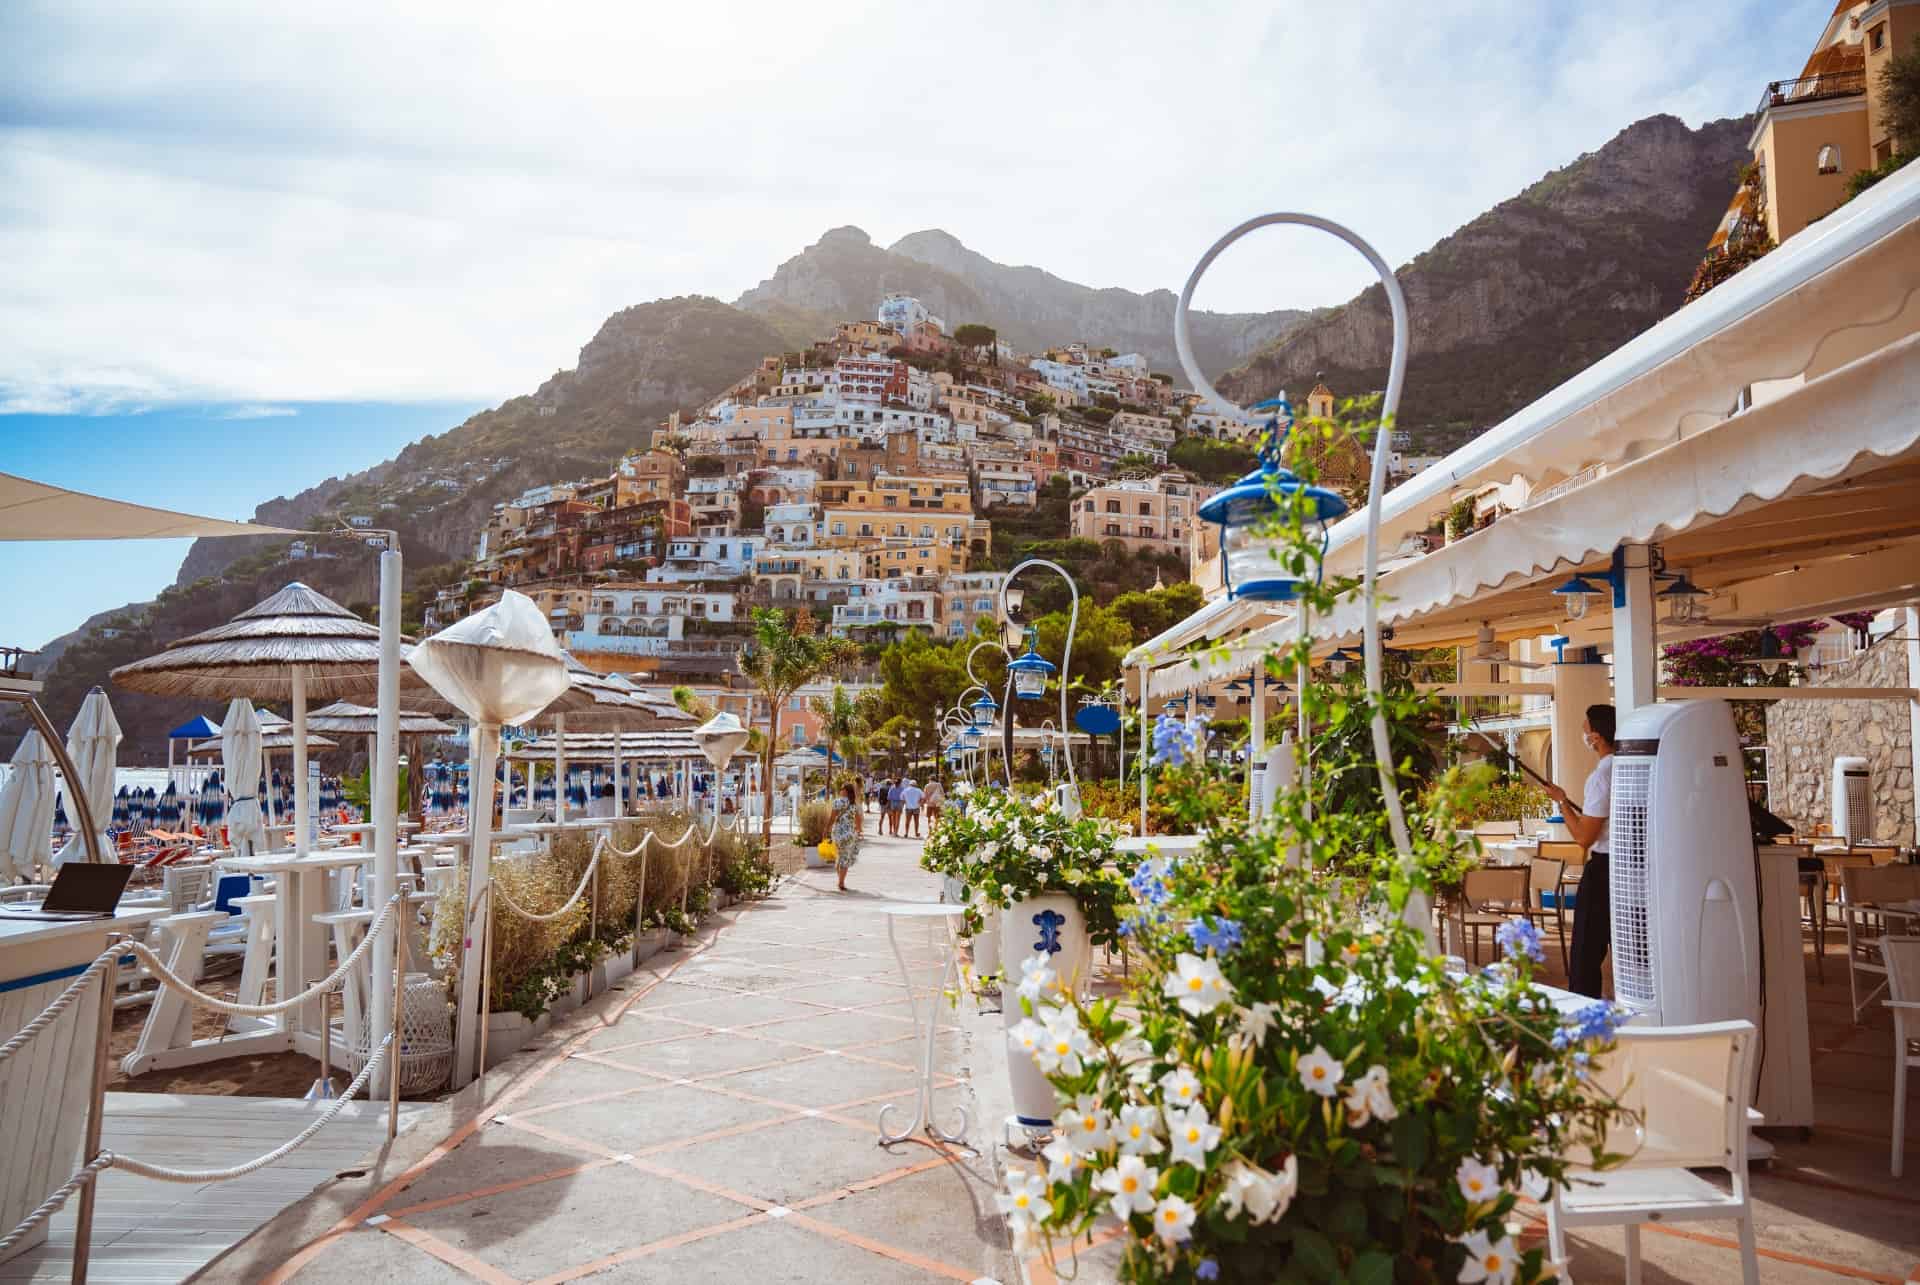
(612, 969)
(508, 1033)
(650, 943)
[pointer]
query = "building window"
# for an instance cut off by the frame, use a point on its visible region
(1829, 158)
(1146, 510)
(1113, 506)
(1877, 37)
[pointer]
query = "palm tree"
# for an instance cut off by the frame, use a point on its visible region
(783, 655)
(841, 720)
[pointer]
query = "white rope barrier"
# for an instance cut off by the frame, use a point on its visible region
(51, 1205)
(653, 837)
(163, 1173)
(571, 902)
(204, 1000)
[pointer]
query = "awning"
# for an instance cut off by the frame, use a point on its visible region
(1842, 288)
(1829, 471)
(1218, 618)
(32, 510)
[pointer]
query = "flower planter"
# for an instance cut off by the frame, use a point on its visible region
(1049, 924)
(612, 969)
(986, 942)
(508, 1033)
(648, 944)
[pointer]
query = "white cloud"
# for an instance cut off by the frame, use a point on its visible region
(259, 410)
(239, 203)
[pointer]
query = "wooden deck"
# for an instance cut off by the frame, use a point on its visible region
(161, 1231)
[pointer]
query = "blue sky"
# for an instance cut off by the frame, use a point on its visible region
(383, 216)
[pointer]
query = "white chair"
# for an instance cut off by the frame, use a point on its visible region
(1873, 899)
(1689, 1085)
(1902, 958)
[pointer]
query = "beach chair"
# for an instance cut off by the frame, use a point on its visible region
(1690, 1087)
(1871, 900)
(1902, 956)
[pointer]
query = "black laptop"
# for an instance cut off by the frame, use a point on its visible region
(82, 890)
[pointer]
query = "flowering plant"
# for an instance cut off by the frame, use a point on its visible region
(1295, 1087)
(1007, 849)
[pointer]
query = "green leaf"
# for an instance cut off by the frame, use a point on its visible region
(1411, 1140)
(1315, 1252)
(1348, 1220)
(1372, 1268)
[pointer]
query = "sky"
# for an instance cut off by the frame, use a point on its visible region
(244, 247)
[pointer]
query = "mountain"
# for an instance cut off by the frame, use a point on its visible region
(844, 274)
(1529, 293)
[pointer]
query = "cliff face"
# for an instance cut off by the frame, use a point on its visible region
(1530, 292)
(845, 275)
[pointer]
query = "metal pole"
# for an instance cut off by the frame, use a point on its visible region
(385, 799)
(96, 1118)
(479, 878)
(593, 916)
(403, 952)
(486, 980)
(640, 898)
(301, 803)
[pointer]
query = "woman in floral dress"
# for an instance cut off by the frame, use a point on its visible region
(846, 832)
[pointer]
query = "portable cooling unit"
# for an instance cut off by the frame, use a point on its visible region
(1852, 798)
(1685, 911)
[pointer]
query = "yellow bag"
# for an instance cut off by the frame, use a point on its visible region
(827, 851)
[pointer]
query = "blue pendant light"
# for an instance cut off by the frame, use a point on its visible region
(1578, 594)
(1030, 673)
(984, 709)
(1266, 491)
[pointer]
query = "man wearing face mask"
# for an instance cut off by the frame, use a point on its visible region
(1587, 823)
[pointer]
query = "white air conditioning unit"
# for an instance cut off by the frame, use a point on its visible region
(1852, 798)
(1685, 911)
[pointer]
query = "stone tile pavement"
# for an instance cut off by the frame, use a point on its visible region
(719, 1121)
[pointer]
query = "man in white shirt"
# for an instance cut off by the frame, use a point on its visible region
(911, 796)
(1588, 823)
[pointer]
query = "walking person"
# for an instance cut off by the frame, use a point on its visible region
(911, 796)
(936, 799)
(1587, 823)
(895, 795)
(846, 831)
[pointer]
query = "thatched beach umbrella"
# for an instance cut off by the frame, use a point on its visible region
(297, 644)
(346, 718)
(589, 702)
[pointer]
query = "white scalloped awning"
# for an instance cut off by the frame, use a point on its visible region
(1216, 619)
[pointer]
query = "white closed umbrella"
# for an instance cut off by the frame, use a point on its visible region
(93, 743)
(240, 761)
(498, 666)
(26, 809)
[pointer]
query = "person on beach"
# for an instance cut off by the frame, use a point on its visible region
(895, 793)
(936, 798)
(846, 831)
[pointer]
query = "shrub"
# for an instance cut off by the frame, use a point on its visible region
(816, 822)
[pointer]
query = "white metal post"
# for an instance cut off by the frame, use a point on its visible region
(300, 800)
(486, 744)
(1146, 739)
(559, 767)
(1634, 635)
(385, 797)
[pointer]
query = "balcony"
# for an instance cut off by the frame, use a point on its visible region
(1810, 89)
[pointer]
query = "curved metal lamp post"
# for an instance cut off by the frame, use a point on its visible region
(1417, 911)
(1066, 661)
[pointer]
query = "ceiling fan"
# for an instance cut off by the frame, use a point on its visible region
(1489, 651)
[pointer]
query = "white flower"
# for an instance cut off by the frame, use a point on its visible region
(1089, 1129)
(1370, 1098)
(1026, 1036)
(1139, 1131)
(1062, 1160)
(1173, 1220)
(1494, 1261)
(1042, 853)
(1131, 1183)
(1024, 1202)
(1181, 1086)
(1263, 1196)
(1256, 1023)
(988, 851)
(1192, 1135)
(1196, 984)
(1321, 1072)
(1478, 1182)
(1035, 976)
(1063, 1044)
(1006, 891)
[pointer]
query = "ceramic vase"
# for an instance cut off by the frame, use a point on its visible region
(1049, 924)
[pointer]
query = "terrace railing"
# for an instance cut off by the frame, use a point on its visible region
(1807, 89)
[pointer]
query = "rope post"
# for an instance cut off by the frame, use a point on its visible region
(640, 898)
(486, 979)
(402, 950)
(593, 911)
(96, 1119)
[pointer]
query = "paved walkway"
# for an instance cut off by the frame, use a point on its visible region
(719, 1121)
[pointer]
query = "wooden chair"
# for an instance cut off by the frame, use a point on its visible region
(1573, 862)
(1497, 829)
(1543, 899)
(1869, 904)
(1689, 1086)
(1490, 896)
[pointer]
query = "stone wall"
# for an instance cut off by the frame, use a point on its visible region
(1804, 737)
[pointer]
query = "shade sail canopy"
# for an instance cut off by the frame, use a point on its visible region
(255, 653)
(198, 728)
(346, 718)
(32, 510)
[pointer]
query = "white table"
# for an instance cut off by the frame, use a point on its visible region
(46, 1089)
(1512, 852)
(923, 1111)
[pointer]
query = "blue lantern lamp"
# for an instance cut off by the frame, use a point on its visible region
(1339, 659)
(1240, 509)
(1030, 672)
(1683, 599)
(984, 709)
(1578, 594)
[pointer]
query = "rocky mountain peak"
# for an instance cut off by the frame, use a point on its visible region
(847, 235)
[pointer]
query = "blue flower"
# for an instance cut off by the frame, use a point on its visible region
(1596, 1021)
(1208, 1270)
(1520, 937)
(1220, 937)
(1149, 885)
(1172, 743)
